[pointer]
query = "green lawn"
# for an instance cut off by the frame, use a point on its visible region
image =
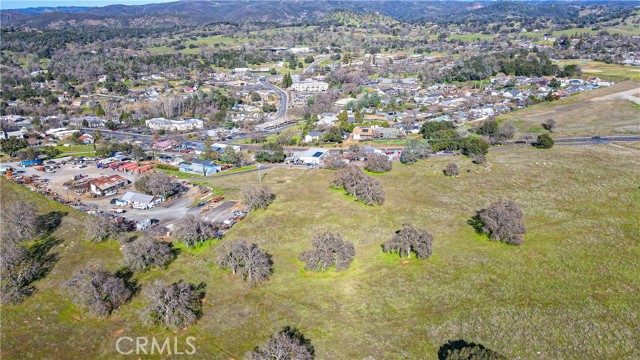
(75, 148)
(571, 291)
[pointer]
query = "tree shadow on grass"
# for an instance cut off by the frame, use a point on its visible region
(126, 275)
(43, 257)
(463, 350)
(476, 223)
(49, 222)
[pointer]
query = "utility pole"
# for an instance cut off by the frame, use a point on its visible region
(259, 177)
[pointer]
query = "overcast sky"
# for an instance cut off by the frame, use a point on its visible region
(18, 4)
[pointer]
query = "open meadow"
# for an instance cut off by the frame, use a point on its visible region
(604, 111)
(571, 291)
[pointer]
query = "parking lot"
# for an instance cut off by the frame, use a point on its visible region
(167, 212)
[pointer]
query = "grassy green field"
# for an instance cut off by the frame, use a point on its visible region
(607, 71)
(582, 114)
(571, 291)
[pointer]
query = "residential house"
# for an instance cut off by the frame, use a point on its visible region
(140, 201)
(361, 133)
(200, 167)
(313, 136)
(389, 133)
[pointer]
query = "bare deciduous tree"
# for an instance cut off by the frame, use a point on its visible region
(329, 250)
(99, 228)
(378, 163)
(452, 170)
(257, 196)
(97, 289)
(334, 162)
(507, 131)
(19, 220)
(253, 264)
(19, 270)
(289, 343)
(410, 239)
(146, 252)
(549, 125)
(175, 305)
(192, 230)
(503, 221)
(156, 183)
(356, 183)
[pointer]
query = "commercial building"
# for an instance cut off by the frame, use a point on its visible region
(174, 125)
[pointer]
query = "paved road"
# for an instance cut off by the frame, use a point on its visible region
(309, 70)
(282, 95)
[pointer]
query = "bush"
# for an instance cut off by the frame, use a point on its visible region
(452, 170)
(378, 163)
(474, 146)
(463, 350)
(544, 141)
(479, 159)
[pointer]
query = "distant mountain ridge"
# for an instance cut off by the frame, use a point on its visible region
(197, 12)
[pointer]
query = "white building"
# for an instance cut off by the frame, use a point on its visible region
(141, 201)
(313, 156)
(174, 125)
(310, 86)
